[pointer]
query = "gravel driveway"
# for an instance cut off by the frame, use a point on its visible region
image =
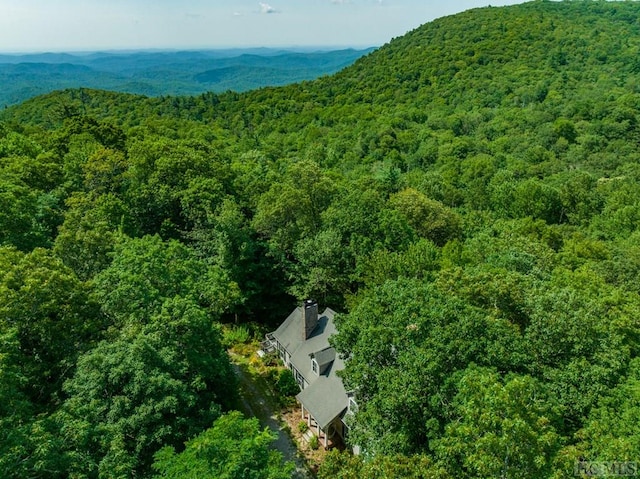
(256, 402)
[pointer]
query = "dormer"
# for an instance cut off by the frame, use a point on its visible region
(322, 360)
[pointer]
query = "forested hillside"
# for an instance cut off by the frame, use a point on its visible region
(468, 196)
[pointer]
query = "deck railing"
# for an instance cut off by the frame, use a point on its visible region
(269, 344)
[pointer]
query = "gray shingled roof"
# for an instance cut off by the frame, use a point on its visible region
(325, 356)
(325, 397)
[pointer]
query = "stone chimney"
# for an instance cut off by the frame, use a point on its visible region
(309, 317)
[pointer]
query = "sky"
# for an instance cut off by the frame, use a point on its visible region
(90, 25)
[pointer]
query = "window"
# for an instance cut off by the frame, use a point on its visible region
(314, 366)
(298, 377)
(353, 406)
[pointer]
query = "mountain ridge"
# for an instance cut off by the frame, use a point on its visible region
(168, 73)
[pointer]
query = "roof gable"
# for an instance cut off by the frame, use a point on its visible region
(325, 399)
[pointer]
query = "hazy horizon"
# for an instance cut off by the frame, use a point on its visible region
(122, 51)
(82, 26)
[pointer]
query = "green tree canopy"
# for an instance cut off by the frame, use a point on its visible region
(148, 388)
(499, 428)
(146, 271)
(234, 448)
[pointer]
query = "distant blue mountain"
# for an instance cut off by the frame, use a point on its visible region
(156, 73)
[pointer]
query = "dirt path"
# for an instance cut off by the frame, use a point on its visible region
(256, 402)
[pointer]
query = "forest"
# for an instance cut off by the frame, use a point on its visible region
(467, 197)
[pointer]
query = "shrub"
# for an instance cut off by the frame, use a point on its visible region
(314, 443)
(286, 385)
(235, 335)
(272, 375)
(270, 359)
(303, 426)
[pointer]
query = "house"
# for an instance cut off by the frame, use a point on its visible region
(302, 342)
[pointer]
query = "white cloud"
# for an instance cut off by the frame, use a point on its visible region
(266, 8)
